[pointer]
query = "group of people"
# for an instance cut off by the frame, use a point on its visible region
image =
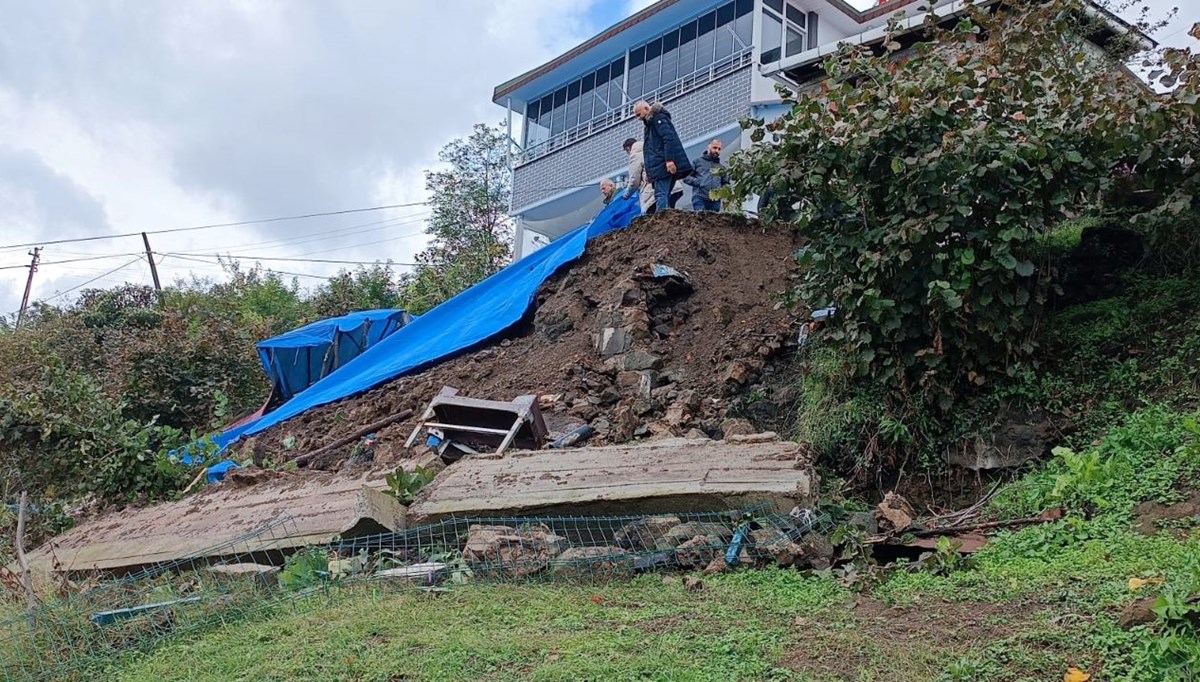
(658, 163)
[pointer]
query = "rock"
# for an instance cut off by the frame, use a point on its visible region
(600, 424)
(817, 552)
(864, 520)
(1137, 613)
(677, 415)
(716, 566)
(764, 437)
(639, 360)
(613, 341)
(644, 406)
(695, 434)
(685, 531)
(693, 584)
(736, 373)
(737, 427)
(428, 573)
(647, 533)
(894, 513)
(593, 562)
(701, 550)
(512, 552)
(689, 399)
(628, 379)
(645, 386)
(773, 545)
(642, 431)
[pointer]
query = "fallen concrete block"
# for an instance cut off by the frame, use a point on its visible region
(676, 475)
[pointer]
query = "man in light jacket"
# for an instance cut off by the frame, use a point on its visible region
(663, 153)
(637, 182)
(707, 179)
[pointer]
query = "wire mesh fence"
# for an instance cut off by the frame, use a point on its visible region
(75, 636)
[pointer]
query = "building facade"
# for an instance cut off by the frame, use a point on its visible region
(703, 59)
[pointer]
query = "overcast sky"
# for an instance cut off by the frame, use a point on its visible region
(121, 116)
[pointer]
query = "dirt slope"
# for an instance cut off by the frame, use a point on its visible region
(610, 344)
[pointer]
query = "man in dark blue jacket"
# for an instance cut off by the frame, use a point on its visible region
(666, 160)
(706, 178)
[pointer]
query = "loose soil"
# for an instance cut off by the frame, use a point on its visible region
(845, 645)
(686, 357)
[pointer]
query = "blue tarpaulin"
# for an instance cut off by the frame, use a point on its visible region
(474, 316)
(302, 357)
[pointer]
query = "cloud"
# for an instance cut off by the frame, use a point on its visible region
(162, 114)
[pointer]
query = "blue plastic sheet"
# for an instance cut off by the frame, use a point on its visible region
(470, 318)
(300, 358)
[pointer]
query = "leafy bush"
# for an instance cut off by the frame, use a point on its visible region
(919, 209)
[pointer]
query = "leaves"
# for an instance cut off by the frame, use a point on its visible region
(1074, 674)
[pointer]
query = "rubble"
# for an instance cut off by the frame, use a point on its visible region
(625, 348)
(593, 562)
(512, 552)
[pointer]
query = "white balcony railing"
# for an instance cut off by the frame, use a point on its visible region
(680, 86)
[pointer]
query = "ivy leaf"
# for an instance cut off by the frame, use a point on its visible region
(967, 257)
(1024, 268)
(897, 166)
(1074, 156)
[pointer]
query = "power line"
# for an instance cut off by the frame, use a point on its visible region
(214, 225)
(300, 260)
(327, 234)
(70, 260)
(80, 286)
(281, 272)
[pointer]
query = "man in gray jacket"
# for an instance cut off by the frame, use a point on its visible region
(706, 179)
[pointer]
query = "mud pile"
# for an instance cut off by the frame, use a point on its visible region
(671, 325)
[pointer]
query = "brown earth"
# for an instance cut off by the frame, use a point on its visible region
(674, 357)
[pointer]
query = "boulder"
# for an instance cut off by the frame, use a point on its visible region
(582, 563)
(737, 427)
(646, 534)
(683, 532)
(513, 552)
(699, 551)
(736, 373)
(894, 513)
(640, 360)
(771, 544)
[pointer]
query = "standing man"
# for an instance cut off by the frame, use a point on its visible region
(706, 179)
(665, 158)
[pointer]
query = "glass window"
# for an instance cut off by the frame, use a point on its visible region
(796, 16)
(670, 59)
(560, 101)
(705, 40)
(650, 81)
(572, 108)
(744, 28)
(795, 42)
(725, 14)
(616, 81)
(772, 38)
(744, 7)
(776, 5)
(724, 41)
(637, 72)
(687, 49)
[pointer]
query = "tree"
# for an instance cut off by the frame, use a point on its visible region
(367, 288)
(469, 224)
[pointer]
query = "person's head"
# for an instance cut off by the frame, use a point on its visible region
(607, 187)
(628, 146)
(714, 148)
(641, 109)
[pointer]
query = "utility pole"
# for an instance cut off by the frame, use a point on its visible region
(153, 266)
(36, 253)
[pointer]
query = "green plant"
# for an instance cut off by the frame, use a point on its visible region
(304, 569)
(404, 485)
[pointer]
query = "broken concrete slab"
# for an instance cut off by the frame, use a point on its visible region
(670, 475)
(219, 522)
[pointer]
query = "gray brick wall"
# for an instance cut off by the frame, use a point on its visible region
(710, 108)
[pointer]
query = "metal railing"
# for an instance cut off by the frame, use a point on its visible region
(680, 86)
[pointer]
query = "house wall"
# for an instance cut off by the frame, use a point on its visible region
(697, 113)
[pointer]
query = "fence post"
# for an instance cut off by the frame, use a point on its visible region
(26, 574)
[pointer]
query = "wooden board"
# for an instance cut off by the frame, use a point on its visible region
(669, 475)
